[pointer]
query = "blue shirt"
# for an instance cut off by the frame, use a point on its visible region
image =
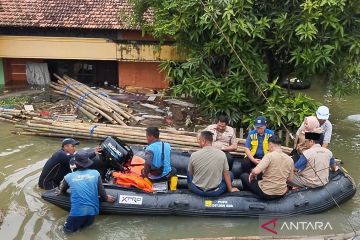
(155, 148)
(301, 163)
(84, 192)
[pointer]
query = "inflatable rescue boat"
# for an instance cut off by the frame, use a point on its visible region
(340, 188)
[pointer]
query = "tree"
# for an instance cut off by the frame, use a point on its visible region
(236, 50)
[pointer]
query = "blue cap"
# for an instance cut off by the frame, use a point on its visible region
(260, 121)
(70, 141)
(81, 158)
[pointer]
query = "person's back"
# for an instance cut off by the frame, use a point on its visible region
(83, 185)
(208, 165)
(208, 170)
(86, 190)
(314, 164)
(316, 172)
(279, 168)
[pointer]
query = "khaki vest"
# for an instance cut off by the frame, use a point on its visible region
(316, 172)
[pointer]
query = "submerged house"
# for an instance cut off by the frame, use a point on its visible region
(89, 40)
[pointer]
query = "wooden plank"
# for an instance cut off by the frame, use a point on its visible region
(241, 133)
(287, 139)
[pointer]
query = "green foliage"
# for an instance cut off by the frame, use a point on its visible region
(235, 49)
(350, 75)
(13, 101)
(282, 107)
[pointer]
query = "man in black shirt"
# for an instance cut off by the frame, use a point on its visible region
(58, 165)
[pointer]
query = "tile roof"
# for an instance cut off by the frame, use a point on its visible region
(89, 14)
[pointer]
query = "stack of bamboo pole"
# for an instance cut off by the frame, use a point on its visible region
(94, 105)
(15, 115)
(181, 140)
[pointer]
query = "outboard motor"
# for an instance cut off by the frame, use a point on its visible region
(116, 154)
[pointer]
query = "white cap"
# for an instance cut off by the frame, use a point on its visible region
(323, 113)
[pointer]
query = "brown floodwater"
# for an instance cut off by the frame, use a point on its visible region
(27, 216)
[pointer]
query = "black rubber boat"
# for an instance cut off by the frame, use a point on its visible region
(242, 204)
(295, 83)
(182, 202)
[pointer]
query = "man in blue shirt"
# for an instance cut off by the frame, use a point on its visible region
(157, 157)
(257, 144)
(85, 187)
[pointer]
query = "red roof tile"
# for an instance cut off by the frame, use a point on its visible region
(90, 14)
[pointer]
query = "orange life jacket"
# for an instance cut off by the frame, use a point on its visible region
(133, 178)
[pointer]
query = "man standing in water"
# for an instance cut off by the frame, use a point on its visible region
(85, 187)
(58, 165)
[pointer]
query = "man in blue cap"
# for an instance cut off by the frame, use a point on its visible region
(58, 165)
(85, 188)
(256, 145)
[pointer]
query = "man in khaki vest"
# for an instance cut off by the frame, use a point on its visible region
(277, 168)
(313, 165)
(224, 137)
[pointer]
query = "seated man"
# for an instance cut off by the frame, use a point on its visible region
(224, 137)
(277, 168)
(313, 165)
(58, 165)
(256, 145)
(208, 169)
(157, 157)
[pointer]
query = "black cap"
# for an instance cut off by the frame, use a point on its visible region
(312, 136)
(81, 158)
(70, 141)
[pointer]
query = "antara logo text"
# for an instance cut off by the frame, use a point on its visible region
(271, 226)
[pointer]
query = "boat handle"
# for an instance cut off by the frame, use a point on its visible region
(181, 203)
(300, 204)
(256, 206)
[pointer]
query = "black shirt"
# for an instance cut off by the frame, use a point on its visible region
(55, 169)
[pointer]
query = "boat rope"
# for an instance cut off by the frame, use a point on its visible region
(246, 68)
(282, 123)
(334, 200)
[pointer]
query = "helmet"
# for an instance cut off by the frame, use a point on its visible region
(116, 153)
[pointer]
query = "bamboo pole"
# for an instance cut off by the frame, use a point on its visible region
(127, 133)
(8, 120)
(88, 114)
(100, 101)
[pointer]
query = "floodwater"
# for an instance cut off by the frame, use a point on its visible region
(27, 216)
